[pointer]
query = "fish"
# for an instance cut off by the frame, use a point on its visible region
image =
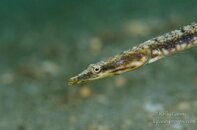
(145, 53)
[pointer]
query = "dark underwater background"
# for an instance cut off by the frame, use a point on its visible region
(45, 42)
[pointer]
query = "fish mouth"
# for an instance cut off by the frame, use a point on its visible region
(73, 81)
(76, 80)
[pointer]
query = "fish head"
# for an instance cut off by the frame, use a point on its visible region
(126, 61)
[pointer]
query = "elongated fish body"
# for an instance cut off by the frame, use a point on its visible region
(145, 53)
(173, 42)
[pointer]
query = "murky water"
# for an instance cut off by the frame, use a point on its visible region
(44, 43)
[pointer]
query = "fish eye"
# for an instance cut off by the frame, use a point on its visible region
(96, 68)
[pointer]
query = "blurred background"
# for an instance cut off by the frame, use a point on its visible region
(44, 43)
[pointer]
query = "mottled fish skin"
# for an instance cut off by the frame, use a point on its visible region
(173, 42)
(145, 53)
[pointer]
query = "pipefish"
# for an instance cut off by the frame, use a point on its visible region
(145, 53)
